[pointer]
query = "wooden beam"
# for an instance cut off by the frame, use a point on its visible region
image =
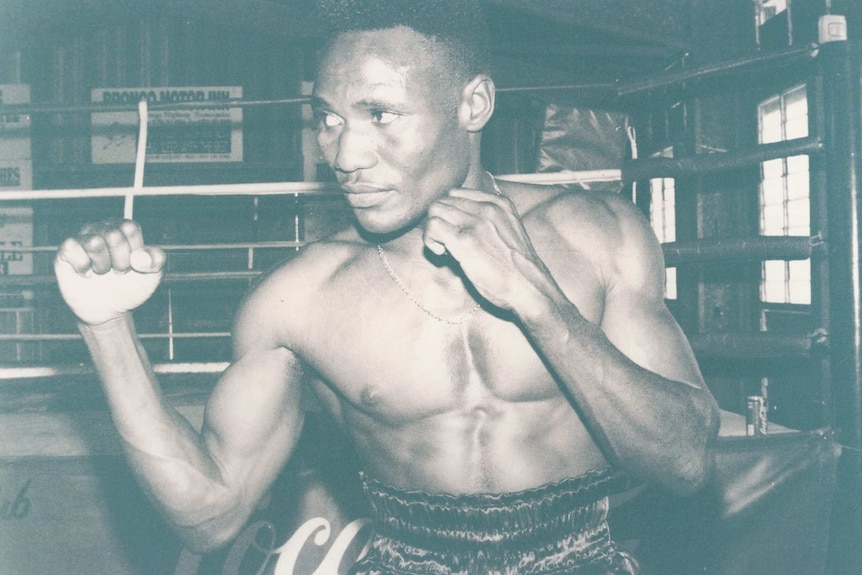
(636, 52)
(260, 16)
(658, 22)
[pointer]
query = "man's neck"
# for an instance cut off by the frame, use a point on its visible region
(409, 244)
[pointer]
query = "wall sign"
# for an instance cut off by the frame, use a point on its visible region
(16, 231)
(16, 173)
(16, 165)
(173, 136)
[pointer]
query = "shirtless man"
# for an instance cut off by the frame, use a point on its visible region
(492, 350)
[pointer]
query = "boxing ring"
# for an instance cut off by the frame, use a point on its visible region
(70, 504)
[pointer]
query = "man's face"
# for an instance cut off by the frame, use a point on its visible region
(388, 126)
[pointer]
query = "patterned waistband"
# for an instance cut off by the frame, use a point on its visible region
(526, 519)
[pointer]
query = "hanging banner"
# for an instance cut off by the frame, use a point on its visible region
(173, 136)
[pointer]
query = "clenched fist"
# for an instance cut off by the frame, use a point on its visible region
(485, 235)
(106, 271)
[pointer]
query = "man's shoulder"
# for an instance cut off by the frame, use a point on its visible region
(298, 284)
(616, 236)
(603, 230)
(578, 215)
(314, 264)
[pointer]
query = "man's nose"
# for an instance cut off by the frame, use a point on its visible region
(354, 152)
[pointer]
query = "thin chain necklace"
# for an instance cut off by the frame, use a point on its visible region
(458, 321)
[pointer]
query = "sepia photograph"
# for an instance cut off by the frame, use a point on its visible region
(430, 287)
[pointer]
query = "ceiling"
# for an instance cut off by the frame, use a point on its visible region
(591, 40)
(537, 42)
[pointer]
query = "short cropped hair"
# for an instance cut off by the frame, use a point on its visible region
(459, 25)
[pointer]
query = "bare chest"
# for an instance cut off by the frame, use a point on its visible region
(380, 354)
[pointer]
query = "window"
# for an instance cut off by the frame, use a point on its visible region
(663, 218)
(784, 204)
(766, 9)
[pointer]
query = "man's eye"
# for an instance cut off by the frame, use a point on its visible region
(328, 120)
(383, 117)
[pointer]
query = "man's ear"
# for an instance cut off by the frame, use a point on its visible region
(477, 103)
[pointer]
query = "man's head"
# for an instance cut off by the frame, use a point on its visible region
(401, 105)
(457, 27)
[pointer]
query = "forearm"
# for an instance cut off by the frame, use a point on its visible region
(655, 428)
(165, 451)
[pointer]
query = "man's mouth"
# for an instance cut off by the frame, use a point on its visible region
(363, 187)
(365, 195)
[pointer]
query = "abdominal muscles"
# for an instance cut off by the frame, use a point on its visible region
(493, 447)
